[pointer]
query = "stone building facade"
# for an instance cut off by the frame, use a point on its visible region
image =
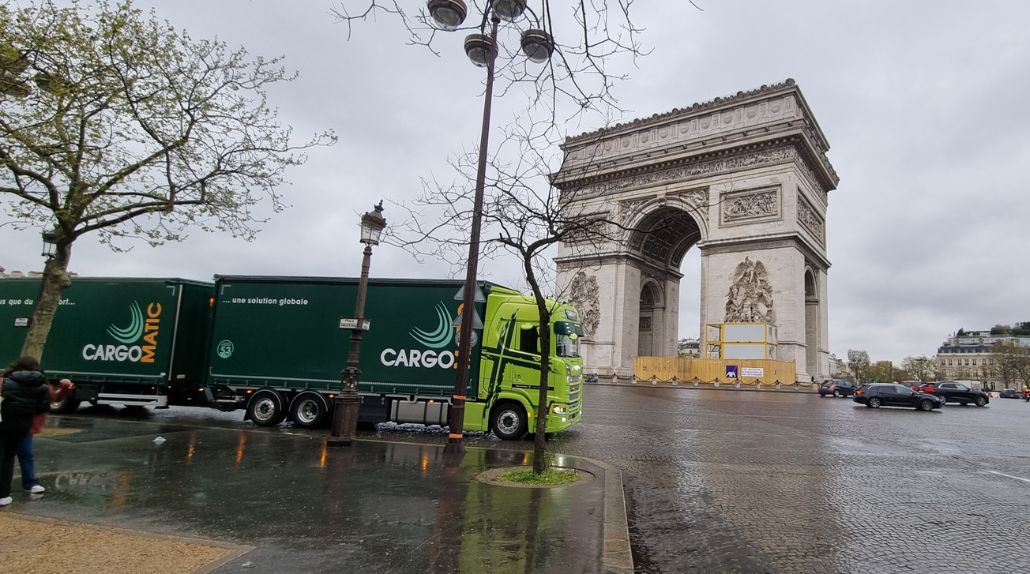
(970, 357)
(745, 180)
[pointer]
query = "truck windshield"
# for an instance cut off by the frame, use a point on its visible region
(567, 335)
(567, 346)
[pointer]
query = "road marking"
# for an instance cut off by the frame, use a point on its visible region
(1009, 475)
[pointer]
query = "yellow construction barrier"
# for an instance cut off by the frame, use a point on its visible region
(686, 370)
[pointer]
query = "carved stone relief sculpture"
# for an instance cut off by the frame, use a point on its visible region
(755, 205)
(808, 218)
(584, 296)
(750, 297)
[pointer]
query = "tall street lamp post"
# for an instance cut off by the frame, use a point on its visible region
(481, 48)
(345, 404)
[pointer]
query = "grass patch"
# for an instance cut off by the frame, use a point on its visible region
(553, 476)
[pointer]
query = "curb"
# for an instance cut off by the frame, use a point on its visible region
(617, 555)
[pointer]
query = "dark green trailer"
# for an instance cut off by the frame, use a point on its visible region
(123, 341)
(278, 347)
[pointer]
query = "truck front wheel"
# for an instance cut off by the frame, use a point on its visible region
(509, 421)
(266, 408)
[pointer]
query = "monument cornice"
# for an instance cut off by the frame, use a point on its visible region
(721, 160)
(741, 98)
(767, 241)
(643, 263)
(663, 140)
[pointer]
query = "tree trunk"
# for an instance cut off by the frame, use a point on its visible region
(55, 280)
(539, 446)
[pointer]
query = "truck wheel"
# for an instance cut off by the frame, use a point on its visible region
(266, 408)
(67, 405)
(509, 421)
(308, 410)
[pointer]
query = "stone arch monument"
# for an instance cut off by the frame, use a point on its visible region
(745, 180)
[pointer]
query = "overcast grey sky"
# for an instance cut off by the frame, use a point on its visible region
(923, 102)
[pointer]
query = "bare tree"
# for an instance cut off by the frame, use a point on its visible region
(114, 123)
(581, 49)
(524, 218)
(858, 364)
(590, 40)
(920, 368)
(1011, 363)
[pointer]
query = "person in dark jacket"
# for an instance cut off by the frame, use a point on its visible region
(25, 394)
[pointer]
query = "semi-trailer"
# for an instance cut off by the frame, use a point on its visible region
(124, 341)
(276, 346)
(279, 344)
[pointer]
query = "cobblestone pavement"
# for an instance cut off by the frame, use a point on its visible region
(724, 481)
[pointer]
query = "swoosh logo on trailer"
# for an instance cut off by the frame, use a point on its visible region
(134, 331)
(441, 336)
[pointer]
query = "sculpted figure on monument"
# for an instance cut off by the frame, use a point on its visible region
(750, 296)
(583, 293)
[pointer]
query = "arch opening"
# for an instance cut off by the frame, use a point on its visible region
(660, 242)
(811, 323)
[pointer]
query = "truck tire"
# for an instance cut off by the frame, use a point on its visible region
(308, 410)
(67, 405)
(266, 408)
(508, 421)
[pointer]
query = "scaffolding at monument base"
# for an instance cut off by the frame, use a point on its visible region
(682, 370)
(734, 353)
(739, 341)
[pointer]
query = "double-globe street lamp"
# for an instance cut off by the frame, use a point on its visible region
(481, 48)
(346, 404)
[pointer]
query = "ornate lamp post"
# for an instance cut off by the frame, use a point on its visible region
(345, 404)
(481, 48)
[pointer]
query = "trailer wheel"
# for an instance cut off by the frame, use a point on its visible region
(508, 421)
(309, 410)
(68, 404)
(266, 408)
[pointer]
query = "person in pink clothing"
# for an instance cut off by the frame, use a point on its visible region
(26, 459)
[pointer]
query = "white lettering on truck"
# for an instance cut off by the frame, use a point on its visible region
(416, 358)
(112, 353)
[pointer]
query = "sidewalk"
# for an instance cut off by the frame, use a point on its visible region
(279, 501)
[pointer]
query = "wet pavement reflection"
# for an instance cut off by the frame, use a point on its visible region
(375, 507)
(715, 481)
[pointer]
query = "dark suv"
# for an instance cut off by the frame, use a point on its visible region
(891, 395)
(953, 392)
(836, 388)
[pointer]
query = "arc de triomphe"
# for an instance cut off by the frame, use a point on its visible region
(744, 179)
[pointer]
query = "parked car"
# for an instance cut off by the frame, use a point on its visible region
(894, 395)
(1010, 394)
(837, 388)
(953, 392)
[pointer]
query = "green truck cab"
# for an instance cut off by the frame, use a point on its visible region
(277, 348)
(123, 341)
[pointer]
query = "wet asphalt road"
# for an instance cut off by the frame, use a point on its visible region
(727, 481)
(720, 481)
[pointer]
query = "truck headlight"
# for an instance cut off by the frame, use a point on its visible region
(558, 409)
